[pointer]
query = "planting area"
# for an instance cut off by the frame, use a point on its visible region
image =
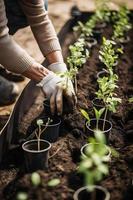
(65, 153)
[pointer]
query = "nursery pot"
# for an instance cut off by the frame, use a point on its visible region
(83, 149)
(103, 73)
(97, 33)
(125, 40)
(51, 133)
(46, 105)
(101, 25)
(34, 159)
(92, 126)
(98, 193)
(90, 42)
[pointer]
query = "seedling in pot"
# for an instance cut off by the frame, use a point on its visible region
(96, 123)
(78, 56)
(86, 30)
(122, 25)
(109, 54)
(38, 133)
(94, 166)
(106, 93)
(102, 11)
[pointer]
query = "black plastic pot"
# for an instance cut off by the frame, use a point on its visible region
(97, 33)
(125, 40)
(98, 192)
(92, 126)
(90, 42)
(34, 159)
(46, 105)
(102, 73)
(51, 133)
(101, 25)
(83, 150)
(67, 107)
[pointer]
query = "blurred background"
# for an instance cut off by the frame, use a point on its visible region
(59, 13)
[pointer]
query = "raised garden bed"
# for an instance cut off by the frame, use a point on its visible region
(72, 137)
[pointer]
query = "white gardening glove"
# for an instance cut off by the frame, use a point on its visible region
(54, 88)
(59, 68)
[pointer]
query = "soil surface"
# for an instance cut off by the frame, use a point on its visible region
(63, 165)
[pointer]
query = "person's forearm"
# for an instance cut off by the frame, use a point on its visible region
(37, 72)
(55, 56)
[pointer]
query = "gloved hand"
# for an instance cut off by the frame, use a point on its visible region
(55, 87)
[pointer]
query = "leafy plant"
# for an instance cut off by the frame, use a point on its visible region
(95, 164)
(102, 10)
(86, 30)
(109, 54)
(38, 133)
(122, 24)
(78, 56)
(106, 93)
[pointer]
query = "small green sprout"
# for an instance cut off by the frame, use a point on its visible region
(54, 182)
(35, 179)
(130, 100)
(22, 196)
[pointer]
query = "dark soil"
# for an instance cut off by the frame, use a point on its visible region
(63, 165)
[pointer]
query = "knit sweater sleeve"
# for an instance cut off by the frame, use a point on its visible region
(12, 56)
(41, 25)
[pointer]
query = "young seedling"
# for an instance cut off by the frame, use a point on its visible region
(106, 93)
(102, 10)
(108, 54)
(38, 133)
(98, 114)
(86, 30)
(78, 56)
(122, 24)
(95, 164)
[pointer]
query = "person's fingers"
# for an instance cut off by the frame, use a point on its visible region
(53, 101)
(59, 101)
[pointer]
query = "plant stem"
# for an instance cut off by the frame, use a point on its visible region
(105, 116)
(75, 83)
(97, 123)
(93, 195)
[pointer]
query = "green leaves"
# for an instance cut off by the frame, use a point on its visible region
(54, 182)
(98, 113)
(122, 23)
(94, 165)
(85, 114)
(22, 196)
(35, 179)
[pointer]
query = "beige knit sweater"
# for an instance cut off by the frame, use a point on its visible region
(12, 56)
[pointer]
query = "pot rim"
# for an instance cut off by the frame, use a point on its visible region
(51, 125)
(36, 151)
(107, 194)
(108, 130)
(82, 148)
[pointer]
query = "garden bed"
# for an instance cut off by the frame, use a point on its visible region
(64, 164)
